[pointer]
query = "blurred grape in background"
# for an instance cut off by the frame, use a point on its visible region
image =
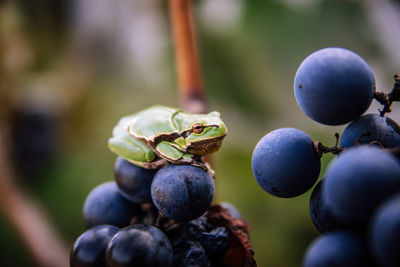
(70, 69)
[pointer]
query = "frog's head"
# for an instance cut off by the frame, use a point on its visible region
(203, 133)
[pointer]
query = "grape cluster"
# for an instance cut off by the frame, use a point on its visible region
(357, 205)
(155, 218)
(33, 139)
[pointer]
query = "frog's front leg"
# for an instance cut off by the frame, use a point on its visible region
(175, 154)
(205, 166)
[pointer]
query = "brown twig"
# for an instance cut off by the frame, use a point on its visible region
(37, 234)
(387, 99)
(191, 88)
(188, 67)
(320, 149)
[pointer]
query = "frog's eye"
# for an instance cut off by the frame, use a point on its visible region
(197, 128)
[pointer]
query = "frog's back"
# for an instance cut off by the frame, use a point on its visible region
(152, 122)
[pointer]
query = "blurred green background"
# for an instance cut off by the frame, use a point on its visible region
(81, 65)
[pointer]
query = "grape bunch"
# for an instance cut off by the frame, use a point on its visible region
(357, 205)
(160, 217)
(33, 140)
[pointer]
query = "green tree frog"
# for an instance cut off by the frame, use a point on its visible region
(155, 136)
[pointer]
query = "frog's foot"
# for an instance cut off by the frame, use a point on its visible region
(189, 159)
(205, 166)
(171, 153)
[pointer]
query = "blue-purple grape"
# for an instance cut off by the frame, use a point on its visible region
(284, 163)
(189, 253)
(139, 245)
(105, 205)
(369, 128)
(133, 182)
(33, 139)
(214, 239)
(182, 192)
(321, 215)
(334, 86)
(385, 233)
(337, 249)
(89, 249)
(358, 181)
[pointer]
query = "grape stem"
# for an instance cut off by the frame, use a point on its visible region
(154, 217)
(151, 213)
(172, 227)
(320, 149)
(387, 99)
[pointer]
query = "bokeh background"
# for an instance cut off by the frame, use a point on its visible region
(70, 69)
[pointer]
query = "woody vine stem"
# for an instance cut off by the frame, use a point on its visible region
(191, 90)
(190, 80)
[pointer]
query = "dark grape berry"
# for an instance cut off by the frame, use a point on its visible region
(133, 182)
(189, 253)
(89, 249)
(321, 215)
(214, 239)
(195, 227)
(334, 86)
(34, 139)
(285, 164)
(385, 233)
(369, 128)
(182, 192)
(105, 205)
(337, 249)
(139, 245)
(358, 181)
